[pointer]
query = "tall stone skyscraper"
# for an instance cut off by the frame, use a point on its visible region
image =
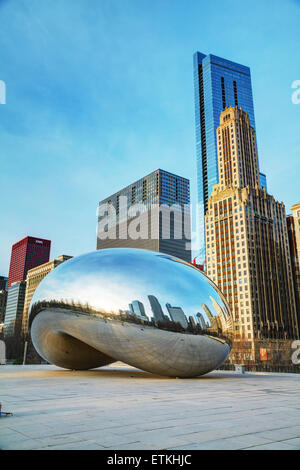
(247, 242)
(218, 84)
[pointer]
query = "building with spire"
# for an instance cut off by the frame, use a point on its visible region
(218, 84)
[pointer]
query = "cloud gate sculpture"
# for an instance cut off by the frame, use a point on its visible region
(147, 309)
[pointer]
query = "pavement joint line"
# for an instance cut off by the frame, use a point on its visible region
(229, 409)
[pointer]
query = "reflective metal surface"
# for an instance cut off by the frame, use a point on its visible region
(147, 309)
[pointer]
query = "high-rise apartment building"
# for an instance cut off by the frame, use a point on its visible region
(246, 240)
(153, 213)
(293, 224)
(26, 254)
(34, 277)
(218, 84)
(14, 308)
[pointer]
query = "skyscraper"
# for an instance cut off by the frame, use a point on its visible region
(26, 254)
(212, 320)
(14, 308)
(218, 84)
(157, 311)
(247, 242)
(33, 278)
(137, 308)
(157, 207)
(177, 315)
(201, 321)
(263, 181)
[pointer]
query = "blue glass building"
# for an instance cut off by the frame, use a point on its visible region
(263, 181)
(158, 190)
(219, 83)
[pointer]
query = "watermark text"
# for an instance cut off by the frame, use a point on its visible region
(296, 93)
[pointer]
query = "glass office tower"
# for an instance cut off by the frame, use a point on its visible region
(151, 196)
(263, 181)
(219, 83)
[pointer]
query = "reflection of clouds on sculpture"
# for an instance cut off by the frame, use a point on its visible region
(159, 292)
(88, 290)
(109, 289)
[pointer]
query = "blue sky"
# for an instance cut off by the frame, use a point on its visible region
(100, 93)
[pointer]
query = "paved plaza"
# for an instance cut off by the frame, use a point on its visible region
(119, 407)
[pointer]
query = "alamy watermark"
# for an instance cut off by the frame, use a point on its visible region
(296, 354)
(2, 92)
(296, 93)
(123, 221)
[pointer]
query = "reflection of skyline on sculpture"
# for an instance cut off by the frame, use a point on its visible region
(152, 311)
(206, 320)
(95, 287)
(100, 296)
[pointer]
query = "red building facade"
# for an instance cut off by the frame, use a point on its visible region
(26, 254)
